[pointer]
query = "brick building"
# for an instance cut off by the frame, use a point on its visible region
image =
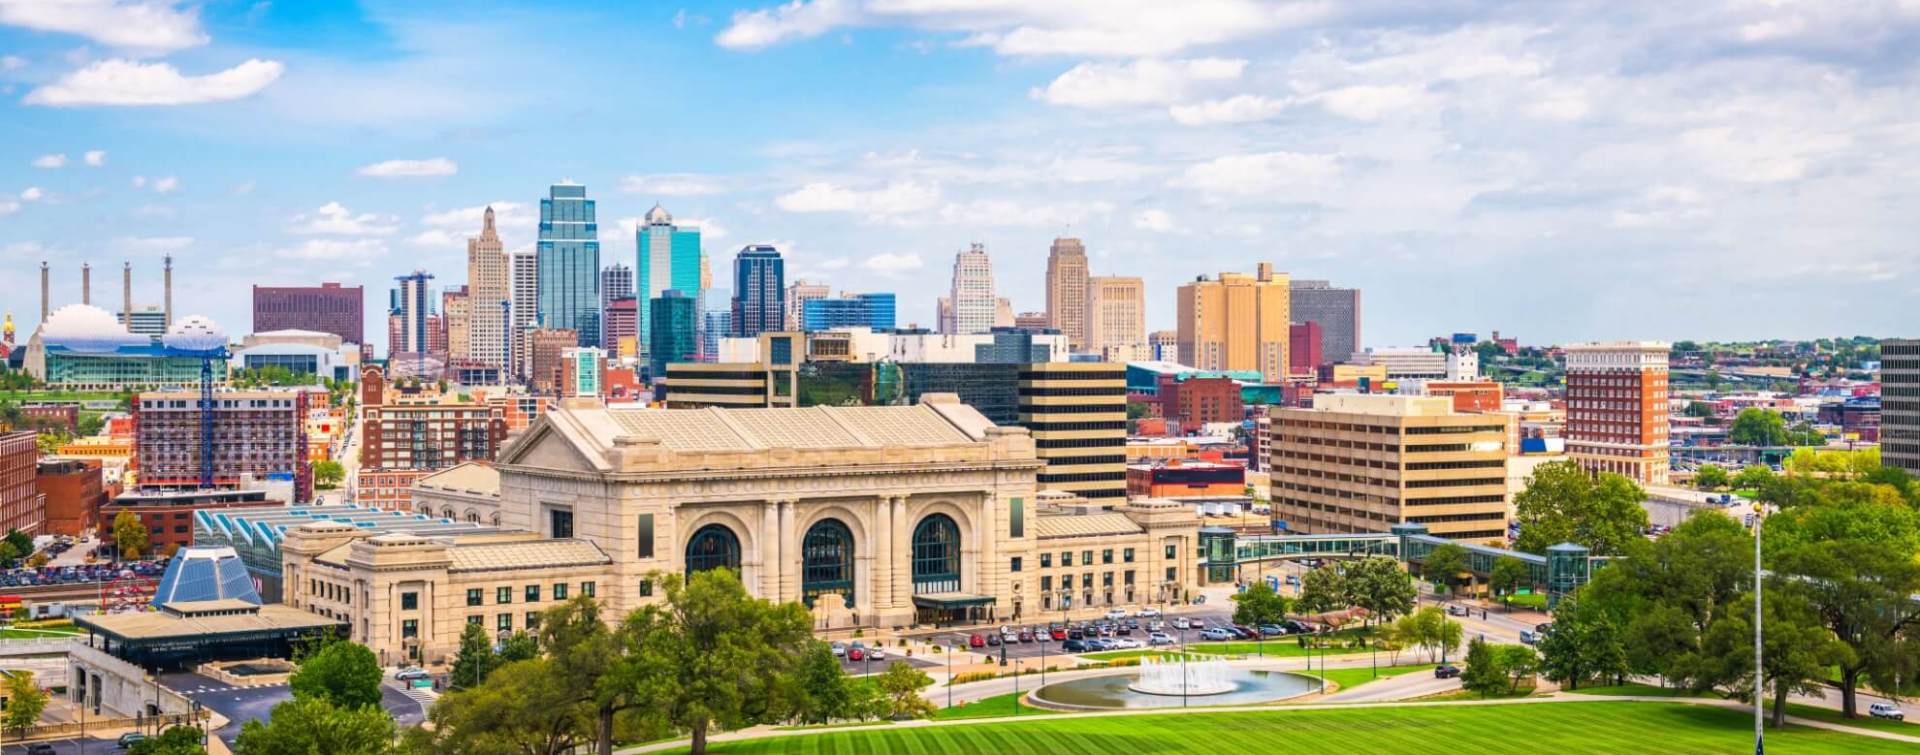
(402, 442)
(258, 434)
(75, 493)
(22, 507)
(329, 308)
(1468, 395)
(1304, 352)
(168, 515)
(1617, 409)
(1195, 402)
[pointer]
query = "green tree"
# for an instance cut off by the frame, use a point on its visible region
(91, 424)
(475, 657)
(328, 473)
(179, 740)
(1508, 575)
(1758, 427)
(1754, 477)
(1521, 663)
(1584, 644)
(901, 684)
(1562, 503)
(129, 534)
(1486, 671)
(1711, 477)
(524, 707)
(1798, 650)
(825, 694)
(519, 646)
(1259, 604)
(601, 666)
(25, 701)
(343, 673)
(1323, 589)
(22, 542)
(1444, 564)
(314, 726)
(1699, 409)
(1377, 584)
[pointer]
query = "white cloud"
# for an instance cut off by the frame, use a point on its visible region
(50, 161)
(508, 218)
(8, 207)
(1141, 82)
(149, 26)
(132, 83)
(436, 237)
(1008, 213)
(1156, 220)
(437, 166)
(243, 188)
(1245, 108)
(153, 243)
(358, 252)
(672, 184)
(334, 219)
(138, 182)
(165, 185)
(799, 19)
(1280, 176)
(887, 263)
(710, 229)
(12, 63)
(95, 158)
(897, 198)
(1367, 102)
(32, 194)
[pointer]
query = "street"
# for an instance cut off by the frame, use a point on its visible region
(242, 704)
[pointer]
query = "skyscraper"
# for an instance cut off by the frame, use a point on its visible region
(849, 310)
(1116, 318)
(673, 339)
(1338, 312)
(616, 282)
(489, 296)
(523, 294)
(668, 258)
(1900, 403)
(759, 290)
(328, 308)
(1067, 291)
(1617, 408)
(409, 307)
(456, 316)
(1236, 322)
(716, 322)
(798, 294)
(569, 259)
(972, 298)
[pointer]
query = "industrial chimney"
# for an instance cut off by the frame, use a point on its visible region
(168, 283)
(43, 291)
(86, 283)
(126, 294)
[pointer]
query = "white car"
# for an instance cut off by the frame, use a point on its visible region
(1116, 614)
(1160, 638)
(1886, 710)
(875, 653)
(1125, 644)
(1182, 623)
(1148, 612)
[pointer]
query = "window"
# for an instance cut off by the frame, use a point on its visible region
(1128, 578)
(645, 536)
(503, 622)
(586, 588)
(560, 523)
(1046, 584)
(1106, 556)
(1086, 580)
(1106, 579)
(559, 591)
(533, 620)
(826, 561)
(477, 620)
(1017, 518)
(474, 596)
(409, 628)
(533, 593)
(1046, 560)
(936, 555)
(646, 588)
(1014, 565)
(1172, 550)
(713, 547)
(1170, 576)
(1066, 558)
(503, 595)
(1126, 555)
(409, 601)
(1086, 558)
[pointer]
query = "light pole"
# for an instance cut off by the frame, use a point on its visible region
(1759, 727)
(950, 652)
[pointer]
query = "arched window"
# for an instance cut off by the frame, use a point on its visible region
(936, 555)
(826, 561)
(473, 516)
(711, 547)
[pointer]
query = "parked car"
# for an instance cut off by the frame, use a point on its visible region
(856, 654)
(1148, 612)
(839, 648)
(410, 674)
(1026, 635)
(876, 653)
(1455, 609)
(976, 641)
(1116, 614)
(129, 739)
(1156, 625)
(1296, 627)
(1159, 638)
(1272, 630)
(1057, 633)
(1073, 646)
(993, 639)
(1181, 622)
(1216, 633)
(1199, 599)
(1886, 710)
(1245, 632)
(1446, 672)
(1529, 637)
(41, 748)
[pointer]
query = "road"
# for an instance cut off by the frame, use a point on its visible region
(242, 704)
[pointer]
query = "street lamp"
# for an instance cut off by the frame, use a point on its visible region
(1759, 728)
(950, 652)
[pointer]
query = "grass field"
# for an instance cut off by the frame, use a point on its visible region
(998, 706)
(1114, 655)
(1596, 727)
(38, 634)
(1349, 678)
(1813, 712)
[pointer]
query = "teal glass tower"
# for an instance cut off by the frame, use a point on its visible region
(668, 260)
(674, 337)
(568, 257)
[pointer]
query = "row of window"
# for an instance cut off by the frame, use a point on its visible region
(1086, 557)
(1086, 580)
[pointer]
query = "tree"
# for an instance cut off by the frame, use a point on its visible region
(1258, 605)
(1699, 409)
(25, 701)
(599, 665)
(519, 646)
(92, 424)
(1562, 503)
(1323, 589)
(475, 657)
(901, 684)
(1444, 564)
(179, 740)
(1754, 477)
(1486, 673)
(1431, 630)
(1508, 575)
(309, 725)
(328, 473)
(1798, 650)
(1520, 661)
(1583, 645)
(343, 673)
(1377, 584)
(22, 542)
(523, 707)
(129, 534)
(825, 694)
(1758, 427)
(1711, 477)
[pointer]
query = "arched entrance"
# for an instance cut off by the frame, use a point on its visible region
(711, 547)
(827, 561)
(936, 574)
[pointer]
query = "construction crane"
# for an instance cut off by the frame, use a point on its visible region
(199, 338)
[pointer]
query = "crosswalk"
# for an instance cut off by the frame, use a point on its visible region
(422, 695)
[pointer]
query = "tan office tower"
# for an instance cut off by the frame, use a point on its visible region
(1116, 318)
(1067, 291)
(1363, 463)
(456, 315)
(488, 296)
(799, 293)
(1617, 408)
(1077, 412)
(972, 301)
(1236, 322)
(523, 293)
(1003, 313)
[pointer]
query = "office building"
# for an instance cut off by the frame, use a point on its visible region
(329, 308)
(1190, 402)
(1184, 478)
(759, 291)
(1337, 310)
(568, 254)
(1077, 413)
(1364, 463)
(1163, 346)
(147, 320)
(404, 438)
(1032, 322)
(1406, 362)
(1900, 403)
(523, 286)
(1617, 408)
(408, 310)
(490, 297)
(256, 435)
(1304, 343)
(623, 328)
(1116, 318)
(584, 373)
(798, 294)
(1067, 290)
(668, 259)
(22, 506)
(1236, 322)
(873, 311)
(456, 318)
(616, 282)
(675, 336)
(74, 490)
(716, 323)
(1003, 316)
(545, 368)
(970, 304)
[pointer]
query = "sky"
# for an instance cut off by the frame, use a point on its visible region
(1717, 169)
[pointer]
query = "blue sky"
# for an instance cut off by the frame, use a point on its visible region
(1557, 171)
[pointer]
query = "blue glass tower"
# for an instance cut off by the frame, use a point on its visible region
(854, 310)
(759, 291)
(668, 259)
(568, 257)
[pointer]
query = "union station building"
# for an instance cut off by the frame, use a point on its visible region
(888, 518)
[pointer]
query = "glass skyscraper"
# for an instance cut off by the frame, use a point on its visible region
(674, 336)
(759, 291)
(569, 263)
(852, 310)
(668, 259)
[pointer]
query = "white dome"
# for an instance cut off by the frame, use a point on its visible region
(195, 333)
(87, 329)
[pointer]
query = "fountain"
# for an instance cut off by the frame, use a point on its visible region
(1166, 677)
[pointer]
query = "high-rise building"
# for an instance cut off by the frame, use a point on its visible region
(545, 361)
(1617, 408)
(759, 287)
(1032, 322)
(1338, 312)
(255, 433)
(22, 506)
(1003, 316)
(669, 258)
(716, 322)
(623, 327)
(489, 297)
(1417, 461)
(328, 308)
(149, 320)
(616, 282)
(1304, 340)
(569, 258)
(408, 306)
(1077, 412)
(674, 336)
(1236, 322)
(971, 299)
(799, 293)
(523, 307)
(1116, 318)
(583, 372)
(406, 440)
(1899, 403)
(456, 315)
(1164, 345)
(1067, 291)
(850, 310)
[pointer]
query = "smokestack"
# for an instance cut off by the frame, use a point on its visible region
(126, 294)
(43, 291)
(168, 283)
(86, 283)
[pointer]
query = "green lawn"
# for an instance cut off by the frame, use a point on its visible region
(37, 634)
(1793, 709)
(998, 706)
(1349, 678)
(1591, 727)
(1281, 647)
(1115, 655)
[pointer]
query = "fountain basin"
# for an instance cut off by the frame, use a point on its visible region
(1114, 692)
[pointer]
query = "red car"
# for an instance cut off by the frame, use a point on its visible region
(977, 641)
(855, 654)
(1058, 634)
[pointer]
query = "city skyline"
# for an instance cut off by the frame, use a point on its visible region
(1416, 156)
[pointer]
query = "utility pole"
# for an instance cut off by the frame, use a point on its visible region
(1759, 670)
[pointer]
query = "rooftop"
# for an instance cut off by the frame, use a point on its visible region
(716, 429)
(1084, 525)
(471, 477)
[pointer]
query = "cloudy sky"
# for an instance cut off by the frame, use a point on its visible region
(1557, 171)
